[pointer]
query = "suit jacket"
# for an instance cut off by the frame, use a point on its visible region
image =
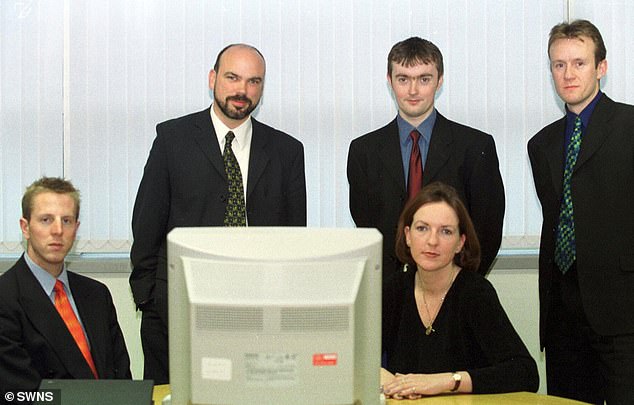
(603, 199)
(35, 343)
(184, 184)
(458, 155)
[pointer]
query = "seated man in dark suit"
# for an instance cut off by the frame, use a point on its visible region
(54, 323)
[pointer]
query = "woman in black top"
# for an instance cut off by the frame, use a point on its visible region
(448, 331)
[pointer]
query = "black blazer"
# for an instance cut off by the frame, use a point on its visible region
(184, 184)
(35, 343)
(460, 156)
(603, 198)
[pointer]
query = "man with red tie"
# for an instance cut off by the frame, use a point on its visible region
(54, 323)
(418, 147)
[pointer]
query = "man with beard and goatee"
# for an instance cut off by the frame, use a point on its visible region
(217, 167)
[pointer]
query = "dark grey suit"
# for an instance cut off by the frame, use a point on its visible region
(603, 197)
(458, 155)
(35, 342)
(184, 184)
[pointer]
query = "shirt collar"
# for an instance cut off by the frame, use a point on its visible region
(585, 114)
(424, 128)
(242, 132)
(46, 279)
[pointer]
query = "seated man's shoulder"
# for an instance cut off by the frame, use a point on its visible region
(86, 284)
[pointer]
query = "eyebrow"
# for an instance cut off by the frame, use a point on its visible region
(230, 73)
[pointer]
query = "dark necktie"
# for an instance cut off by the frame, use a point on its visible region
(72, 323)
(565, 248)
(415, 178)
(235, 213)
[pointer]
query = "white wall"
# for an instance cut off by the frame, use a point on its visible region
(83, 83)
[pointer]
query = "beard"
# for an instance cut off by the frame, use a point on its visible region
(233, 113)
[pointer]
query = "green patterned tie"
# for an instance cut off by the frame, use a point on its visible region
(565, 248)
(235, 213)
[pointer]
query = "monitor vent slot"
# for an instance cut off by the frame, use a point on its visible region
(314, 319)
(229, 318)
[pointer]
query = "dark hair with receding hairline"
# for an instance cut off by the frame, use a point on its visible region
(576, 29)
(469, 256)
(415, 51)
(50, 185)
(217, 63)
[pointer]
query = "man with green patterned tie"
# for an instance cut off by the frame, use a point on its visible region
(216, 167)
(583, 168)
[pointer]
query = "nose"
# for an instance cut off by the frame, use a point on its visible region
(568, 72)
(432, 238)
(57, 227)
(241, 87)
(413, 87)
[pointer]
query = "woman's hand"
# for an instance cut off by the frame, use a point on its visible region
(414, 386)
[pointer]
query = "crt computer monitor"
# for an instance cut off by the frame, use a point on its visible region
(274, 315)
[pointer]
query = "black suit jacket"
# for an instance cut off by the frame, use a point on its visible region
(460, 156)
(35, 343)
(184, 184)
(603, 200)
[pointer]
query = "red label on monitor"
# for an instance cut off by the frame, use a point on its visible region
(325, 359)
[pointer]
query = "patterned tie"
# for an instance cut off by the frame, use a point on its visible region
(565, 248)
(74, 327)
(415, 179)
(235, 213)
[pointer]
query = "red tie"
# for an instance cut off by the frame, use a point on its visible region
(70, 319)
(415, 179)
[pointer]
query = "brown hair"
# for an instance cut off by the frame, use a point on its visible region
(469, 256)
(577, 29)
(48, 184)
(415, 51)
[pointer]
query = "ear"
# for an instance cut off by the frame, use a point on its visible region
(440, 79)
(602, 69)
(24, 226)
(408, 240)
(212, 79)
(463, 238)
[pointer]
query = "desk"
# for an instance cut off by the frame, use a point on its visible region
(515, 398)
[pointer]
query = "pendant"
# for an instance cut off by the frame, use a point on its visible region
(429, 330)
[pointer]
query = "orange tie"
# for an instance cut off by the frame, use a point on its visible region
(70, 319)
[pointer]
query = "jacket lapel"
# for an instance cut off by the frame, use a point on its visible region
(259, 155)
(390, 154)
(205, 135)
(597, 131)
(439, 149)
(90, 318)
(554, 151)
(45, 318)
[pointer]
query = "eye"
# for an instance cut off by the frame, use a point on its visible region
(421, 228)
(68, 221)
(255, 81)
(402, 80)
(425, 79)
(447, 231)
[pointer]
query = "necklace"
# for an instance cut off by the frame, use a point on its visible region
(430, 328)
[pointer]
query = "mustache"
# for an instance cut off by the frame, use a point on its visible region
(240, 98)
